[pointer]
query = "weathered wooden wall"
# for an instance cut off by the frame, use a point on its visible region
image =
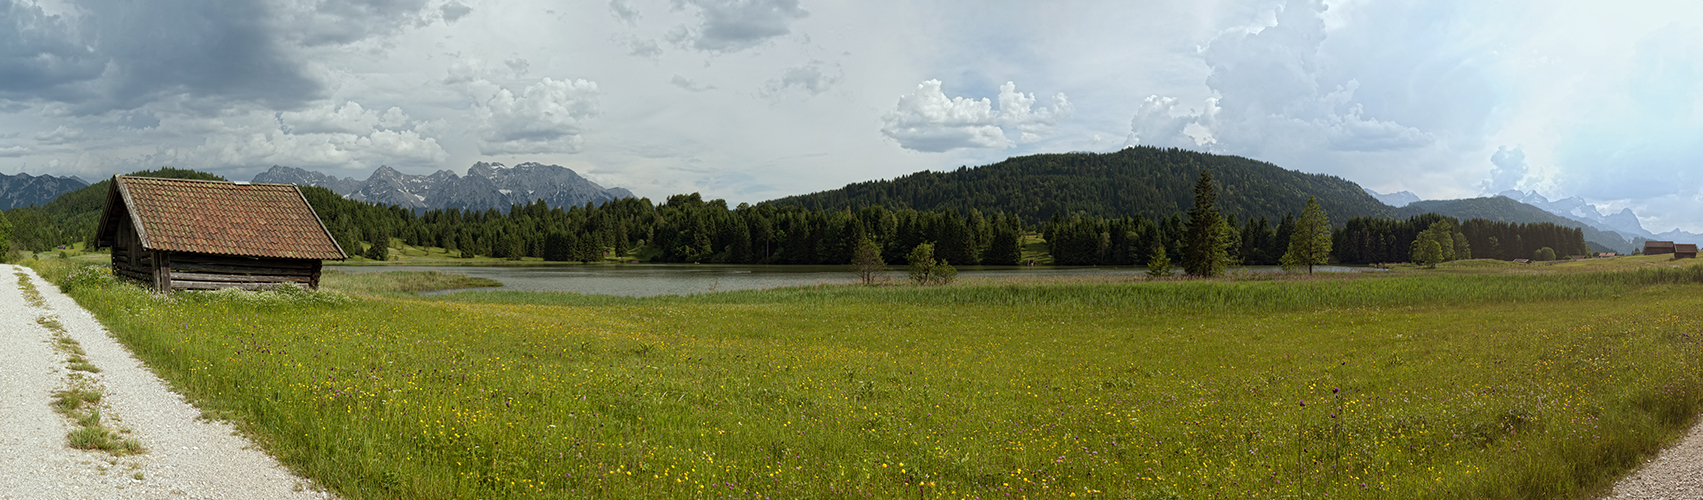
(192, 271)
(167, 271)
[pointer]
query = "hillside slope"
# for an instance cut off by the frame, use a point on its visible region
(1504, 209)
(1152, 182)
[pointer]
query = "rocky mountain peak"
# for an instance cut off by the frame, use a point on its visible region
(487, 185)
(25, 190)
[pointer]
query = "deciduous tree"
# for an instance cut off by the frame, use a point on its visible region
(1310, 244)
(866, 261)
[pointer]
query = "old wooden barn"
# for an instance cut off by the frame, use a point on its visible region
(179, 234)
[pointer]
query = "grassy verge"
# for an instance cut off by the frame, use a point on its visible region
(1428, 385)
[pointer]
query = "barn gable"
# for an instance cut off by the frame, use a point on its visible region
(178, 234)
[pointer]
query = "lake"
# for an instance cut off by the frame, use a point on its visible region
(645, 280)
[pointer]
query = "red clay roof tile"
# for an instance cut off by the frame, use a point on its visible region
(225, 218)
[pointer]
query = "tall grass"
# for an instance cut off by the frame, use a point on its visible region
(1429, 386)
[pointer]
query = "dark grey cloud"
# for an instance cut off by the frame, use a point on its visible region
(333, 22)
(454, 11)
(218, 51)
(624, 12)
(812, 78)
(646, 48)
(42, 54)
(735, 25)
(122, 54)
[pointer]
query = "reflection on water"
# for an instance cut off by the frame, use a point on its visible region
(645, 280)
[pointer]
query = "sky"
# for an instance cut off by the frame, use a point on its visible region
(750, 100)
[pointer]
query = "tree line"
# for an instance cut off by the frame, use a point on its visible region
(1366, 240)
(685, 228)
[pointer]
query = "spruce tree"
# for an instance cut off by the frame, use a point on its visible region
(1158, 266)
(380, 249)
(1205, 253)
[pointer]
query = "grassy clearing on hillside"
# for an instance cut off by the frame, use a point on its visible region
(1424, 385)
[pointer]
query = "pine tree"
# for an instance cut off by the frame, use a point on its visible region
(1310, 244)
(1205, 252)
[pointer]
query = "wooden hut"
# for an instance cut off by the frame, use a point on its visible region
(1658, 247)
(179, 234)
(1685, 251)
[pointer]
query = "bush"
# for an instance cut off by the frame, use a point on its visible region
(89, 277)
(927, 271)
(1544, 254)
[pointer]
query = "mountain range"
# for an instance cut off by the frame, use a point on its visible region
(1505, 209)
(1625, 223)
(1397, 199)
(486, 186)
(25, 190)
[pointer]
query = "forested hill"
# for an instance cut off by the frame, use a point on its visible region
(1154, 183)
(1504, 209)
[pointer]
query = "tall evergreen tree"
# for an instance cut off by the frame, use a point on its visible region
(380, 249)
(1310, 244)
(1205, 253)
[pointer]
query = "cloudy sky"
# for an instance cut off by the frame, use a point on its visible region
(754, 99)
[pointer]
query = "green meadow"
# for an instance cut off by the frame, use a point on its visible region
(1473, 381)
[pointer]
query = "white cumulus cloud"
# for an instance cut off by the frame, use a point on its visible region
(1268, 95)
(546, 117)
(350, 118)
(926, 120)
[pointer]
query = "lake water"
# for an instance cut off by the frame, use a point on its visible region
(645, 280)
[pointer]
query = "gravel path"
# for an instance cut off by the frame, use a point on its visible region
(1677, 473)
(186, 457)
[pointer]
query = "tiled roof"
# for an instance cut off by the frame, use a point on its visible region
(225, 218)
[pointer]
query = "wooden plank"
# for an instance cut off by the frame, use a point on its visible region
(227, 260)
(233, 278)
(219, 285)
(224, 269)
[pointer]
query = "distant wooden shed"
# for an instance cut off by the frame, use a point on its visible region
(1685, 251)
(180, 234)
(1658, 247)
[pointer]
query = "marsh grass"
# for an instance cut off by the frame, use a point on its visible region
(1421, 384)
(398, 282)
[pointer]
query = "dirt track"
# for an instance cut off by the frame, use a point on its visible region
(185, 458)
